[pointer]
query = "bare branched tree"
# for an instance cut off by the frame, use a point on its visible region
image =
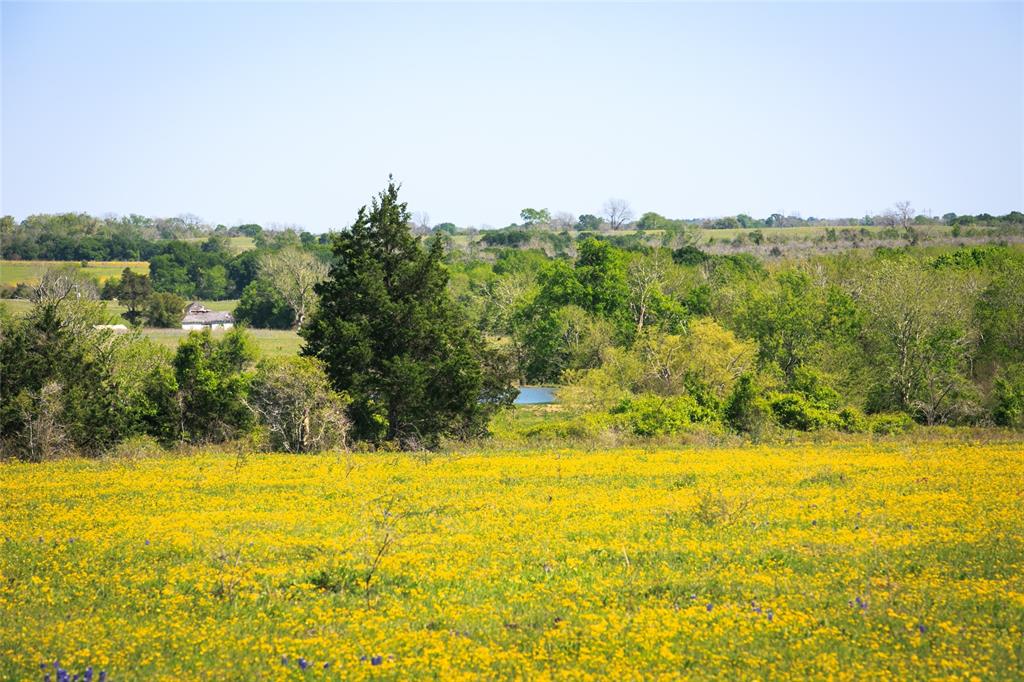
(294, 400)
(294, 272)
(646, 275)
(59, 284)
(904, 214)
(618, 212)
(421, 222)
(564, 220)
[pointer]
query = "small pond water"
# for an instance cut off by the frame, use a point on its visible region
(535, 395)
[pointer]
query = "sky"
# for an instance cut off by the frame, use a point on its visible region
(287, 113)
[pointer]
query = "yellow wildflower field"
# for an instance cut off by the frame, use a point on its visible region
(886, 560)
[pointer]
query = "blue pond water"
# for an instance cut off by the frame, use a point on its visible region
(535, 395)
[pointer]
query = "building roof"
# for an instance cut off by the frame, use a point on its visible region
(197, 313)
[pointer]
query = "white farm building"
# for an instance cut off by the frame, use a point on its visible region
(198, 316)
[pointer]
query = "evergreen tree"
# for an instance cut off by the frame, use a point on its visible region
(391, 337)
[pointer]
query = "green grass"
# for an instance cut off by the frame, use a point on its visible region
(235, 244)
(270, 343)
(20, 306)
(14, 272)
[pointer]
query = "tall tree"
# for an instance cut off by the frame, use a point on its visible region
(393, 340)
(618, 212)
(295, 272)
(133, 292)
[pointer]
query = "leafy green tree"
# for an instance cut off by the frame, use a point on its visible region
(588, 222)
(212, 282)
(787, 318)
(164, 310)
(391, 338)
(64, 382)
(213, 382)
(919, 341)
(133, 291)
(263, 307)
(534, 216)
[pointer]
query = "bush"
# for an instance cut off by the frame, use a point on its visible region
(164, 310)
(136, 447)
(746, 410)
(292, 397)
(891, 423)
(652, 415)
(794, 411)
(1009, 397)
(852, 420)
(580, 427)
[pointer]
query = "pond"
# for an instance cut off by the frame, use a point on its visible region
(535, 395)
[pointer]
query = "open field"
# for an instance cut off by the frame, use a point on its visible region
(235, 244)
(887, 560)
(269, 342)
(19, 306)
(29, 271)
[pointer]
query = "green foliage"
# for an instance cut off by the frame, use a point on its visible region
(531, 216)
(293, 398)
(212, 382)
(392, 339)
(1009, 397)
(795, 411)
(653, 415)
(133, 291)
(891, 423)
(852, 420)
(164, 310)
(746, 409)
(67, 386)
(263, 307)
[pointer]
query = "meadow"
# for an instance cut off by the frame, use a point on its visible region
(13, 272)
(235, 244)
(270, 343)
(882, 559)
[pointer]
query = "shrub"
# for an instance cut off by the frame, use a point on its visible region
(890, 423)
(794, 411)
(1009, 397)
(164, 310)
(746, 410)
(292, 397)
(136, 447)
(852, 420)
(652, 415)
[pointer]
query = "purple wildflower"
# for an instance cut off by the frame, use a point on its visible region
(303, 664)
(709, 607)
(376, 660)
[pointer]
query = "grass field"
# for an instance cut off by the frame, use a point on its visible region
(235, 244)
(29, 271)
(884, 561)
(269, 342)
(18, 306)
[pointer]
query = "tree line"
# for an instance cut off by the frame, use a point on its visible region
(407, 342)
(389, 358)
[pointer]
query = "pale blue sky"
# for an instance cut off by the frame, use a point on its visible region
(296, 113)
